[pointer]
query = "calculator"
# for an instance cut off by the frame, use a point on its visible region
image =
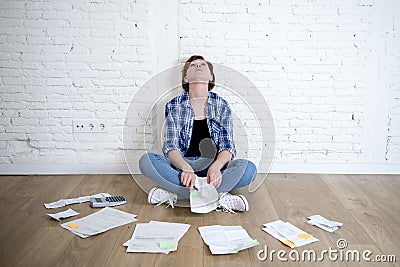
(101, 202)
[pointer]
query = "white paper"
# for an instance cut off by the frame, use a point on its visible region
(179, 229)
(64, 202)
(99, 222)
(156, 237)
(324, 223)
(288, 234)
(147, 238)
(63, 214)
(205, 198)
(226, 239)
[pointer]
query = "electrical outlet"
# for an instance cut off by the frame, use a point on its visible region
(89, 126)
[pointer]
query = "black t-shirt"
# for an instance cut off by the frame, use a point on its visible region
(200, 132)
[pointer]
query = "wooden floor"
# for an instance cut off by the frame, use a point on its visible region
(368, 206)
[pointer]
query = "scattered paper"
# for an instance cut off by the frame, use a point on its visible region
(63, 214)
(288, 234)
(324, 223)
(226, 239)
(99, 222)
(156, 237)
(64, 202)
(205, 198)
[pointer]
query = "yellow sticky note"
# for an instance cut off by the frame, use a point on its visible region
(304, 235)
(288, 243)
(74, 226)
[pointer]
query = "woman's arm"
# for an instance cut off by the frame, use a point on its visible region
(187, 177)
(214, 175)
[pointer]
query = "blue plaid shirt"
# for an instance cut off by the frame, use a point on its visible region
(179, 117)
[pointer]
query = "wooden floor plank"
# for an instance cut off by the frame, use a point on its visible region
(372, 203)
(368, 205)
(80, 250)
(28, 215)
(261, 211)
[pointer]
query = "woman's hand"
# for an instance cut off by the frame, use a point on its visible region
(188, 179)
(187, 176)
(214, 175)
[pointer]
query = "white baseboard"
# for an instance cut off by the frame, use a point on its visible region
(335, 168)
(58, 169)
(54, 169)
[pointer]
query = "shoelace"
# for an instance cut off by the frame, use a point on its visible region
(224, 209)
(170, 201)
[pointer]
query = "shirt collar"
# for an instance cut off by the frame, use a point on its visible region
(211, 111)
(186, 99)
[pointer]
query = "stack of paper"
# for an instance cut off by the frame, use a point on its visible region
(156, 237)
(324, 223)
(226, 239)
(288, 234)
(63, 202)
(205, 198)
(99, 222)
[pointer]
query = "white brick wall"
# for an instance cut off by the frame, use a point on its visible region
(322, 66)
(67, 60)
(310, 60)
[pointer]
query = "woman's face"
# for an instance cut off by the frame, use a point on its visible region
(198, 71)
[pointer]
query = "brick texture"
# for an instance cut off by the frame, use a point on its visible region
(62, 61)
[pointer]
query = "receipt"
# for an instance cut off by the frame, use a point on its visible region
(64, 202)
(63, 214)
(324, 223)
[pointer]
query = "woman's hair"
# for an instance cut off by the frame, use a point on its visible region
(185, 85)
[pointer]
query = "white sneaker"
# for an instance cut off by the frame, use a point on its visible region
(232, 203)
(158, 196)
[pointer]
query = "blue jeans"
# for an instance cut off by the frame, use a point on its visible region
(237, 173)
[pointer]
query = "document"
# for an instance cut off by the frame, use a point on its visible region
(99, 222)
(324, 223)
(156, 237)
(205, 198)
(288, 234)
(64, 202)
(63, 214)
(226, 239)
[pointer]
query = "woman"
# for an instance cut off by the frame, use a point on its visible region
(198, 142)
